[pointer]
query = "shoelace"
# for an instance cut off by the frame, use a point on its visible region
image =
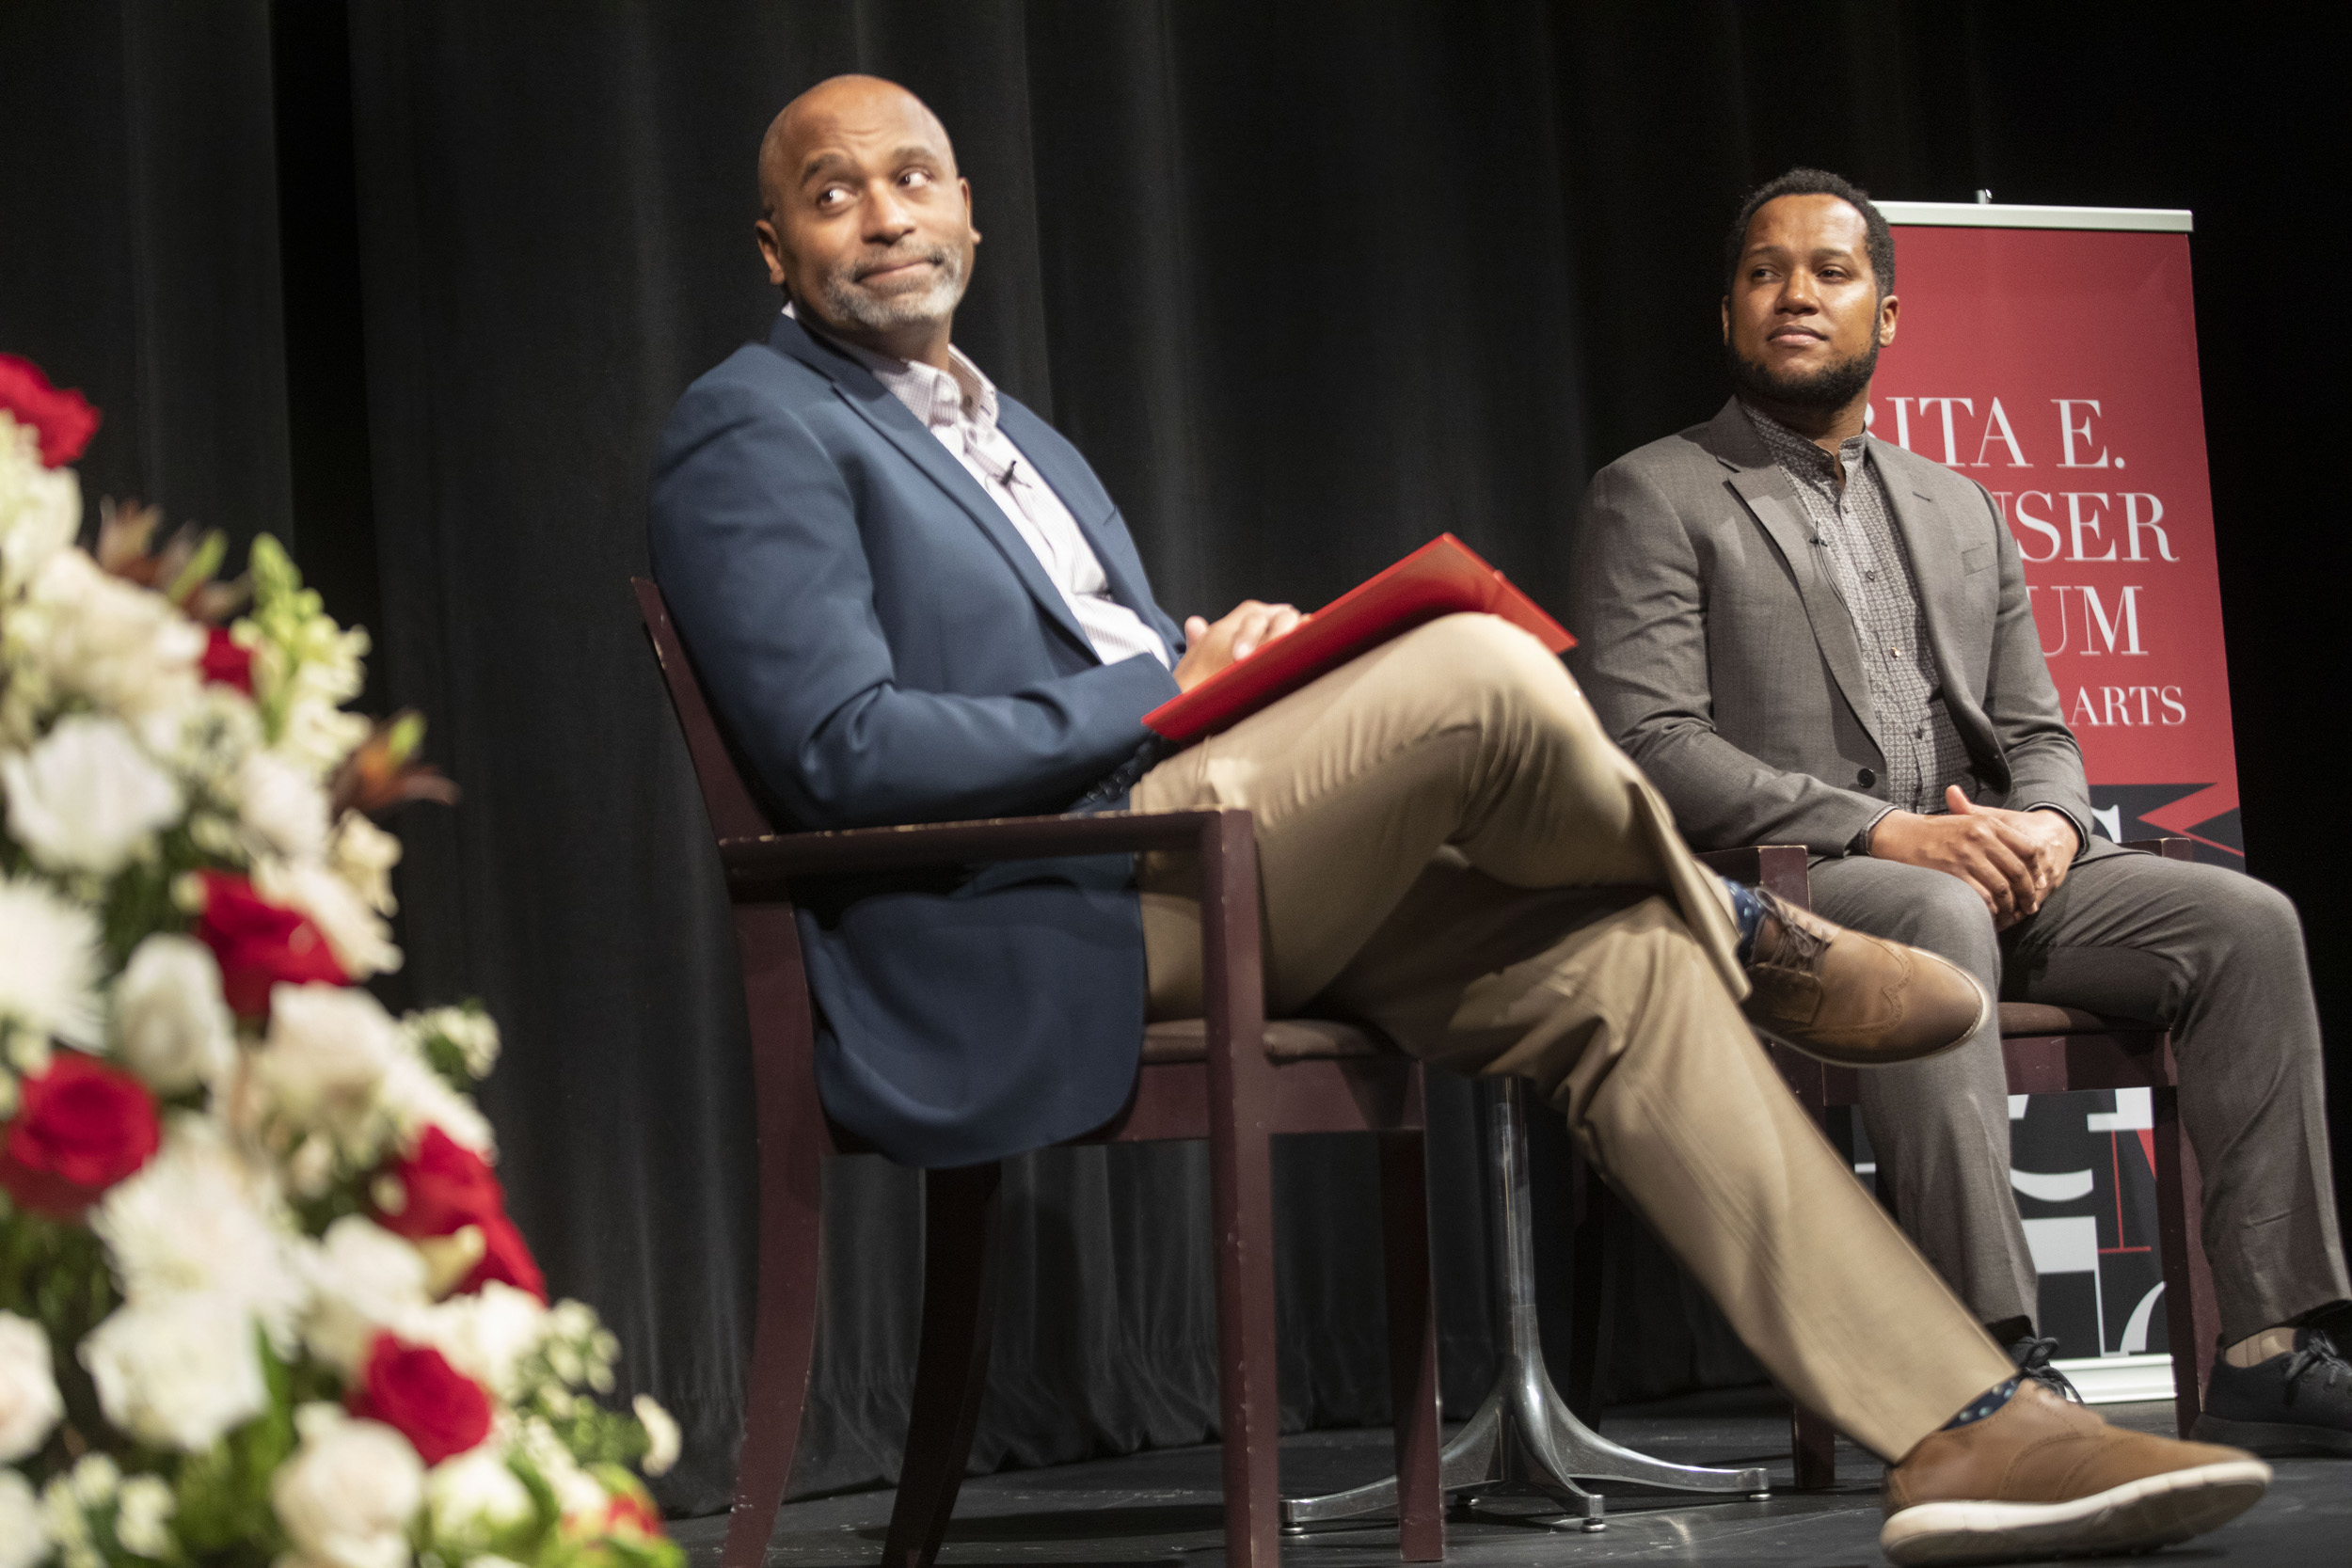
(2035, 1364)
(2318, 1354)
(1799, 945)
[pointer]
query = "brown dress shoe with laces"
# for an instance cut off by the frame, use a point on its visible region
(1855, 1000)
(2042, 1478)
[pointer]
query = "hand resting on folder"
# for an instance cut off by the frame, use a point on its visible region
(1240, 632)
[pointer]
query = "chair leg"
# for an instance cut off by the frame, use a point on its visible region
(784, 1343)
(1249, 1398)
(1412, 1346)
(1812, 1442)
(2191, 1315)
(952, 1367)
(1589, 1297)
(792, 1145)
(1241, 1192)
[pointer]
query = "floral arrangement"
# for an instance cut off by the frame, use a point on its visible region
(261, 1303)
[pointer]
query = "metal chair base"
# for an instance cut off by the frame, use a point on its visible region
(1523, 1437)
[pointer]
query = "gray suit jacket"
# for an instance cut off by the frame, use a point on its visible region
(1720, 655)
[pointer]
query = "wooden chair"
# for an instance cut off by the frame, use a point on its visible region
(1231, 1077)
(2048, 1051)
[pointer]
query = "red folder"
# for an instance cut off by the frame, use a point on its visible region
(1442, 578)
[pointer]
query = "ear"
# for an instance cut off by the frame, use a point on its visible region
(1726, 319)
(966, 186)
(770, 249)
(1889, 309)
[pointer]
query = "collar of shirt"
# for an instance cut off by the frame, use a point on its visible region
(960, 395)
(1799, 454)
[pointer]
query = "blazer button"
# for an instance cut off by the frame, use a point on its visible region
(1865, 778)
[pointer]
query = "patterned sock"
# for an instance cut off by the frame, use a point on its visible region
(1747, 913)
(1986, 1403)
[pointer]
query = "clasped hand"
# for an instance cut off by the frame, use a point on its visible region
(1243, 631)
(2014, 859)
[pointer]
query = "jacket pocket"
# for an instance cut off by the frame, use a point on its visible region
(1975, 560)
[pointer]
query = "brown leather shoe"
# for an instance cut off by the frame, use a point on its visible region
(1855, 1000)
(2040, 1478)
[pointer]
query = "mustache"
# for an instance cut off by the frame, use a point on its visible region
(866, 266)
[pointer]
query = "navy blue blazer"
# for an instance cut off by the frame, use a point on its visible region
(882, 646)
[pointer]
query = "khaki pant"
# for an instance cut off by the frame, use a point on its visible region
(1451, 851)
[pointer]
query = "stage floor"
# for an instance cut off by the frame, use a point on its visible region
(1162, 1507)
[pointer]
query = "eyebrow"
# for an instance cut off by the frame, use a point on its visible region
(912, 152)
(1816, 254)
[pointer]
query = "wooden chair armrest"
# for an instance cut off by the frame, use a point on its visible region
(2170, 849)
(1743, 865)
(1781, 869)
(755, 866)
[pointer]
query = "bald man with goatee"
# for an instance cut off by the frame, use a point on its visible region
(912, 600)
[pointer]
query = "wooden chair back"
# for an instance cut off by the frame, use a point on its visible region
(728, 799)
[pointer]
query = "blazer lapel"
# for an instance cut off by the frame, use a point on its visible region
(1773, 501)
(897, 425)
(1067, 480)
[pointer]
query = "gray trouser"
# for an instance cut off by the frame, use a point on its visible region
(2211, 953)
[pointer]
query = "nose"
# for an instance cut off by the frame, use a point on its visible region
(887, 219)
(1797, 297)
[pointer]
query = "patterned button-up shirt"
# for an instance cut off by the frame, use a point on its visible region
(958, 406)
(1854, 525)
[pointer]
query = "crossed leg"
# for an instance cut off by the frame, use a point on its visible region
(1452, 850)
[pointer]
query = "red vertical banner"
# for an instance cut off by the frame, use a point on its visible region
(2051, 354)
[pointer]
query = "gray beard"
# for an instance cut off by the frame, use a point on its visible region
(844, 300)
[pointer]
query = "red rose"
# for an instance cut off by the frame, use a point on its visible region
(64, 419)
(226, 662)
(445, 1187)
(80, 1128)
(505, 1257)
(414, 1390)
(259, 945)
(630, 1516)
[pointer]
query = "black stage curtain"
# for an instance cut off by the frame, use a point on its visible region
(413, 286)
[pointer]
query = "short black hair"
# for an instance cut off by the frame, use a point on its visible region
(1815, 182)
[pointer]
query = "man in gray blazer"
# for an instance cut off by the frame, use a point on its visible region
(1806, 636)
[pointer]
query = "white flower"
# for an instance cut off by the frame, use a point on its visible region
(347, 1495)
(474, 1034)
(40, 508)
(205, 740)
(29, 1402)
(280, 807)
(143, 1516)
(487, 1333)
(171, 1026)
(48, 962)
(662, 1428)
(127, 649)
(87, 799)
(361, 940)
(178, 1371)
(197, 1219)
(577, 1493)
(363, 1280)
(415, 1098)
(307, 680)
(363, 855)
(324, 1060)
(474, 1497)
(24, 1537)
